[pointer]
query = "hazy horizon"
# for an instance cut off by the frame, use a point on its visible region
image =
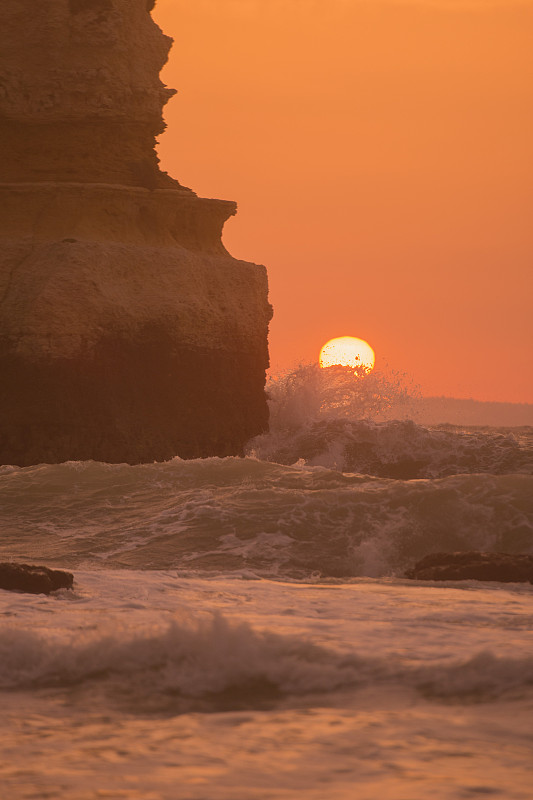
(380, 154)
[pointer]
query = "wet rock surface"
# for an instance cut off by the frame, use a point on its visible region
(504, 567)
(33, 579)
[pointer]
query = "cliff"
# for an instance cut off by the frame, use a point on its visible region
(127, 332)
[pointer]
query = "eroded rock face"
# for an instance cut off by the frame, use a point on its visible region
(127, 332)
(80, 94)
(504, 567)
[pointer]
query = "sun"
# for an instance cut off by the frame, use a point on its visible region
(347, 351)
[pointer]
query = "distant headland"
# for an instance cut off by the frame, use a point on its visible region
(456, 411)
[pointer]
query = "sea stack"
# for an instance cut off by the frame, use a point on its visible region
(127, 331)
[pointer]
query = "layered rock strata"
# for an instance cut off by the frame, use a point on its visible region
(127, 332)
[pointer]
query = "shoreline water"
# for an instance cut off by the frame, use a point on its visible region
(239, 630)
(160, 685)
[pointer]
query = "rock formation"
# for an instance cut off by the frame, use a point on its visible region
(33, 579)
(127, 332)
(504, 567)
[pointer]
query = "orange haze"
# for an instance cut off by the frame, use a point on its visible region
(381, 155)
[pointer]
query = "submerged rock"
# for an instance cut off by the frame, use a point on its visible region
(504, 567)
(33, 579)
(127, 332)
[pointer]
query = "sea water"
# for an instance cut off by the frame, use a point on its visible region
(240, 628)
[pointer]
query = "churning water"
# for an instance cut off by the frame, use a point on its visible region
(240, 627)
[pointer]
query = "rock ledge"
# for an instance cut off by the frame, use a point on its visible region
(33, 579)
(503, 567)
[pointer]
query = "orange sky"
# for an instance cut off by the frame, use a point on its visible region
(381, 155)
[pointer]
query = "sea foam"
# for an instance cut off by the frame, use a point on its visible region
(211, 662)
(245, 514)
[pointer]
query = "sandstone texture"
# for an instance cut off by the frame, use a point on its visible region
(504, 567)
(127, 332)
(33, 579)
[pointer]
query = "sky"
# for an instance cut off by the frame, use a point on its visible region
(380, 152)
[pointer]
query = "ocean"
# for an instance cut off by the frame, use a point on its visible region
(241, 629)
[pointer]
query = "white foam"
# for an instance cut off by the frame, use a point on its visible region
(133, 637)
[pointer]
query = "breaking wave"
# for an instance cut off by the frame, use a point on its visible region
(396, 449)
(327, 418)
(236, 514)
(212, 664)
(325, 494)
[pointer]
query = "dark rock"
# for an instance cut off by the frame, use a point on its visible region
(504, 567)
(33, 579)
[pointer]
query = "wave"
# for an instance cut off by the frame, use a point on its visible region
(213, 664)
(396, 449)
(332, 419)
(324, 494)
(238, 514)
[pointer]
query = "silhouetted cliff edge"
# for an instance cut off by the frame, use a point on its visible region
(127, 332)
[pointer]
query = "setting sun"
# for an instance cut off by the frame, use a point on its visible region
(347, 351)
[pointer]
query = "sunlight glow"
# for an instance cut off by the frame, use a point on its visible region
(347, 351)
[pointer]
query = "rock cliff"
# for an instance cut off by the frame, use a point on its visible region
(127, 332)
